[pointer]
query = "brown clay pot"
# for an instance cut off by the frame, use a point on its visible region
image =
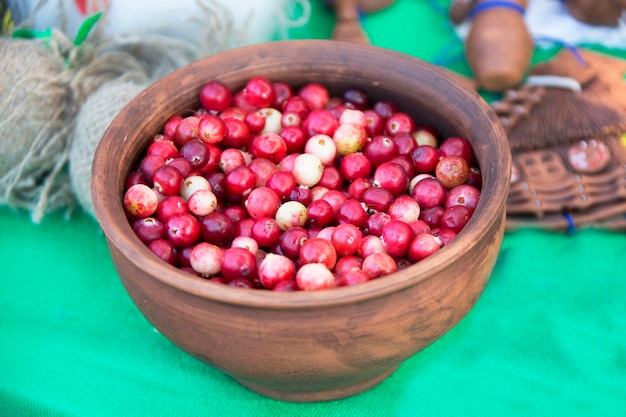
(597, 12)
(499, 47)
(309, 346)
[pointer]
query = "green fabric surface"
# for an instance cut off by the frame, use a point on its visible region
(548, 336)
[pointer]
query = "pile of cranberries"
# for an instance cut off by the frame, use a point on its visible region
(287, 189)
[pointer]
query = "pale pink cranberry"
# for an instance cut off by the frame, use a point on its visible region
(307, 169)
(349, 138)
(314, 276)
(263, 169)
(245, 242)
(291, 214)
(141, 201)
(323, 147)
(463, 195)
(404, 208)
(275, 269)
(370, 244)
(202, 202)
(425, 136)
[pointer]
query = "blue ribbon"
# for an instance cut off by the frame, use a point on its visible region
(486, 5)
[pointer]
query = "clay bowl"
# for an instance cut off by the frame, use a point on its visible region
(309, 346)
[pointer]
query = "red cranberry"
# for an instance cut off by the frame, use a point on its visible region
(182, 229)
(149, 229)
(315, 95)
(294, 137)
(215, 96)
(455, 218)
(170, 206)
(260, 92)
(375, 222)
(432, 216)
(320, 121)
(355, 165)
(377, 199)
(211, 129)
(237, 133)
(302, 195)
(371, 244)
(457, 146)
(217, 228)
(352, 211)
(425, 158)
(357, 98)
(347, 263)
(392, 177)
(354, 277)
(292, 240)
(165, 250)
(385, 108)
(346, 238)
(263, 169)
(186, 130)
(444, 235)
(320, 213)
(429, 192)
(380, 149)
(238, 263)
(149, 164)
(331, 178)
(262, 202)
(141, 201)
(265, 231)
(404, 208)
(463, 195)
(399, 123)
(396, 237)
(275, 269)
(379, 264)
(296, 105)
(163, 148)
(406, 144)
(268, 145)
(318, 250)
(171, 125)
(181, 164)
(283, 93)
(422, 246)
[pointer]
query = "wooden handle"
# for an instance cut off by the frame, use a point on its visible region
(348, 27)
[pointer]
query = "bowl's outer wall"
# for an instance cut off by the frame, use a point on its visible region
(298, 341)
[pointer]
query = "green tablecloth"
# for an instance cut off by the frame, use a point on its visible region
(548, 337)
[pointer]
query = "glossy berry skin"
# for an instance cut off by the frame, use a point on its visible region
(260, 92)
(215, 96)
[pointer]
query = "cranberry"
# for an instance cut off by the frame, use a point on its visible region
(217, 228)
(374, 122)
(353, 116)
(425, 158)
(444, 235)
(148, 166)
(357, 188)
(291, 241)
(463, 195)
(385, 108)
(181, 164)
(283, 93)
(318, 250)
(255, 121)
(240, 181)
(354, 277)
(379, 264)
(286, 286)
(371, 244)
(238, 263)
(217, 181)
(315, 95)
(314, 276)
(202, 202)
(237, 133)
(396, 237)
(165, 250)
(404, 208)
(163, 148)
(452, 170)
(296, 105)
(262, 202)
(148, 229)
(301, 194)
(169, 129)
(352, 211)
(263, 169)
(206, 259)
(265, 231)
(322, 146)
(182, 229)
(291, 214)
(186, 130)
(377, 199)
(457, 146)
(455, 218)
(320, 121)
(245, 242)
(307, 169)
(356, 98)
(275, 269)
(349, 138)
(432, 216)
(375, 222)
(419, 226)
(355, 165)
(429, 192)
(211, 129)
(425, 136)
(406, 144)
(399, 123)
(380, 149)
(392, 177)
(347, 263)
(331, 178)
(282, 183)
(235, 213)
(170, 206)
(346, 238)
(233, 112)
(213, 164)
(196, 152)
(294, 137)
(141, 201)
(230, 159)
(260, 92)
(215, 96)
(422, 246)
(320, 213)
